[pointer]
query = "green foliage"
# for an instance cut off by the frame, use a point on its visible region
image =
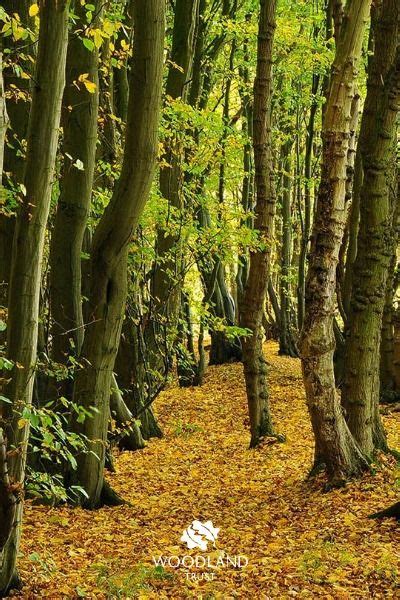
(128, 584)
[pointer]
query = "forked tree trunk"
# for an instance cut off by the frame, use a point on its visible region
(252, 306)
(335, 446)
(111, 241)
(375, 238)
(79, 120)
(28, 250)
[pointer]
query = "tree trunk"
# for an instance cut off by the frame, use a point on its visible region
(3, 122)
(161, 324)
(308, 194)
(286, 343)
(375, 239)
(167, 275)
(388, 388)
(255, 369)
(129, 435)
(7, 498)
(335, 447)
(79, 121)
(140, 385)
(111, 242)
(18, 112)
(28, 249)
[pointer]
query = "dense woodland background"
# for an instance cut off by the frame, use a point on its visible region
(182, 181)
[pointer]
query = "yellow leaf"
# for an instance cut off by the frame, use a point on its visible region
(33, 10)
(90, 86)
(22, 423)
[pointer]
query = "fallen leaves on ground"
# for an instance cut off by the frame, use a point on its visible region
(299, 541)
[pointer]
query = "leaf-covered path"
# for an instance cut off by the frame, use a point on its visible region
(299, 541)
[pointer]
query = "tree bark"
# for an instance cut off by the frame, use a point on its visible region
(28, 250)
(252, 308)
(287, 346)
(7, 498)
(79, 120)
(111, 242)
(308, 193)
(375, 239)
(335, 447)
(167, 275)
(129, 435)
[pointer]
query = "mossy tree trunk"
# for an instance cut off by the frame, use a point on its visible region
(111, 243)
(252, 306)
(375, 238)
(28, 247)
(335, 446)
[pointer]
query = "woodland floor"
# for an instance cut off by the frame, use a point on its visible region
(300, 542)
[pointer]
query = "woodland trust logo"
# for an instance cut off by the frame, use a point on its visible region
(198, 535)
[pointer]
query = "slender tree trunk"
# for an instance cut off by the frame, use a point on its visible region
(223, 348)
(388, 387)
(28, 250)
(18, 112)
(7, 498)
(286, 342)
(129, 435)
(107, 149)
(135, 377)
(255, 370)
(308, 189)
(375, 239)
(335, 446)
(120, 72)
(79, 121)
(161, 329)
(4, 121)
(354, 220)
(167, 274)
(111, 242)
(351, 153)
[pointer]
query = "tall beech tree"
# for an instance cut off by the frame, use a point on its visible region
(146, 352)
(79, 120)
(111, 243)
(375, 238)
(335, 446)
(29, 238)
(252, 305)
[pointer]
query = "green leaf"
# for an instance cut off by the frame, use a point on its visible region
(89, 44)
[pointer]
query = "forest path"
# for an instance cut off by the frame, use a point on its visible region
(299, 541)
